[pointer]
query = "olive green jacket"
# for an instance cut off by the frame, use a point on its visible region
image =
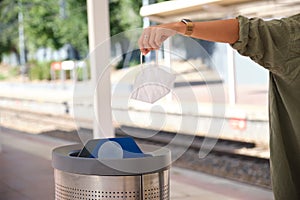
(275, 45)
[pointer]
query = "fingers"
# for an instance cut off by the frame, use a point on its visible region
(152, 38)
(143, 40)
(146, 41)
(151, 42)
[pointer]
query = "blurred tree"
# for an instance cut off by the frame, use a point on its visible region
(73, 27)
(54, 23)
(41, 19)
(51, 23)
(8, 27)
(124, 15)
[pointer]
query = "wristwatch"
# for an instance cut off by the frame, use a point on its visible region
(189, 26)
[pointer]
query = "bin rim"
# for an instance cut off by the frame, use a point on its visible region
(159, 161)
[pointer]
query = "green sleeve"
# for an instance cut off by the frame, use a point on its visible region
(274, 44)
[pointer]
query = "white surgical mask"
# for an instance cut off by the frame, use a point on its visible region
(152, 83)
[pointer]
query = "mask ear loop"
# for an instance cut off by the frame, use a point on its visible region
(156, 59)
(141, 59)
(141, 63)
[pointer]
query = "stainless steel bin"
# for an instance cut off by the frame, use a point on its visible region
(93, 179)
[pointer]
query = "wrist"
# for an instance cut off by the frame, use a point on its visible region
(179, 27)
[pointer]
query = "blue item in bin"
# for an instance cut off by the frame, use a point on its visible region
(112, 148)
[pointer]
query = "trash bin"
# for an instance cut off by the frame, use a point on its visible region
(95, 179)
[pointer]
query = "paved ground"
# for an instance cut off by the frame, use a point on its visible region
(26, 174)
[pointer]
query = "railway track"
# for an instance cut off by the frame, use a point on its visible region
(25, 119)
(34, 121)
(236, 160)
(240, 161)
(245, 150)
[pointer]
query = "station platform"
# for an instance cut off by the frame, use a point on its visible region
(26, 174)
(247, 120)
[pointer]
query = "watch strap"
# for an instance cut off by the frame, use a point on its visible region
(189, 26)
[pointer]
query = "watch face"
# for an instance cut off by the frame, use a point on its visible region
(186, 20)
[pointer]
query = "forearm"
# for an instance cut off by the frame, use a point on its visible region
(226, 31)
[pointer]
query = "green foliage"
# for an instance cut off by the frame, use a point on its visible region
(80, 74)
(73, 28)
(2, 77)
(8, 26)
(48, 27)
(39, 70)
(124, 15)
(9, 72)
(44, 25)
(13, 72)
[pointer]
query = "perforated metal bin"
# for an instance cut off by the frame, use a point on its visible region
(92, 179)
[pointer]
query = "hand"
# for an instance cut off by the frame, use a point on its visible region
(153, 37)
